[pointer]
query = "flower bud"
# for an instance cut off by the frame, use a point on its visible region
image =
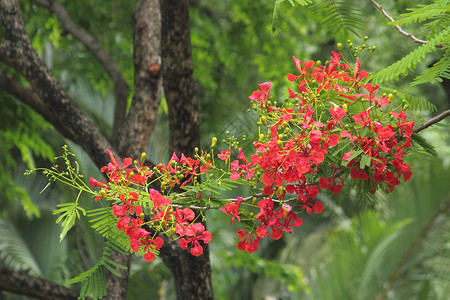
(366, 38)
(405, 107)
(213, 142)
(390, 97)
(142, 216)
(263, 120)
(280, 144)
(261, 138)
(374, 48)
(344, 107)
(318, 63)
(339, 46)
(143, 156)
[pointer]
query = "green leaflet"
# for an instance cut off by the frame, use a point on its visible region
(410, 61)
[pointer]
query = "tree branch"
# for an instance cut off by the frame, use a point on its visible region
(409, 35)
(121, 88)
(17, 52)
(25, 95)
(432, 121)
(24, 284)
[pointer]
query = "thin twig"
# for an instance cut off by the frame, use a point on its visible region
(432, 121)
(410, 35)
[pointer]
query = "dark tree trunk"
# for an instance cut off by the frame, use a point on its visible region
(192, 274)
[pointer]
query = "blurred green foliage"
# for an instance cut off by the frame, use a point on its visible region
(349, 252)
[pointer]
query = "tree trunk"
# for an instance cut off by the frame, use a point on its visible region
(192, 274)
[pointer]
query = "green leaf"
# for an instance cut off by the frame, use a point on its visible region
(354, 155)
(410, 61)
(365, 161)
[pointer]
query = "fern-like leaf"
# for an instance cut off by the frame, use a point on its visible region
(439, 70)
(340, 16)
(410, 61)
(424, 12)
(415, 103)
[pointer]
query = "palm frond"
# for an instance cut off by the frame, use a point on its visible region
(14, 251)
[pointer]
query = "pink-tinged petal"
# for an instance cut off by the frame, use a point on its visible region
(111, 156)
(94, 182)
(347, 155)
(241, 155)
(298, 64)
(126, 162)
(276, 234)
(265, 87)
(207, 237)
(308, 64)
(235, 176)
(292, 77)
(183, 243)
(197, 250)
(318, 207)
(261, 232)
(149, 256)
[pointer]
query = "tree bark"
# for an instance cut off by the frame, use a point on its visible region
(24, 284)
(192, 274)
(132, 137)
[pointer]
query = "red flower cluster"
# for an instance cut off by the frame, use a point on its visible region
(301, 134)
(296, 155)
(158, 212)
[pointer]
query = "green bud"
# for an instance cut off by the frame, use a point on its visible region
(254, 200)
(130, 175)
(196, 149)
(374, 48)
(280, 144)
(405, 107)
(213, 142)
(339, 46)
(142, 216)
(261, 138)
(390, 97)
(263, 120)
(344, 107)
(143, 156)
(318, 63)
(366, 38)
(350, 45)
(281, 136)
(227, 132)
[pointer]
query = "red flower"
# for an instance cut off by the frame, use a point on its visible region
(232, 209)
(195, 232)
